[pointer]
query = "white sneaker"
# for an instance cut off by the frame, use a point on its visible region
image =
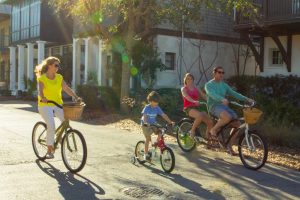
(147, 157)
(49, 156)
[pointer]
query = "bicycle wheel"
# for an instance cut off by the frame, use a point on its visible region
(73, 150)
(255, 155)
(167, 160)
(185, 142)
(39, 134)
(140, 151)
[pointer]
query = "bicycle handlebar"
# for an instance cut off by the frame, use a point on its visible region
(243, 106)
(56, 104)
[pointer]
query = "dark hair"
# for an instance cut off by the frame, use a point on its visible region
(153, 96)
(217, 68)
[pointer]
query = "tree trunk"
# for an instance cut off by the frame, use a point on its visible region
(125, 87)
(126, 64)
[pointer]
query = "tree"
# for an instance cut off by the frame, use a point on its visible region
(133, 20)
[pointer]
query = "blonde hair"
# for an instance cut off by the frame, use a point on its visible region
(187, 75)
(42, 68)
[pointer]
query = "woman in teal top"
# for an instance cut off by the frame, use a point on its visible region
(216, 92)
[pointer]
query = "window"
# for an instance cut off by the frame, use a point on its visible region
(2, 37)
(55, 51)
(2, 71)
(296, 7)
(25, 19)
(170, 60)
(67, 49)
(276, 57)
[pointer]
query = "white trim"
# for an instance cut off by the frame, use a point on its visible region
(21, 67)
(30, 61)
(12, 58)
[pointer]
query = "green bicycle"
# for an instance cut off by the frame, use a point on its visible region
(73, 145)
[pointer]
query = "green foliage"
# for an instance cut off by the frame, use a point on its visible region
(31, 86)
(5, 92)
(170, 100)
(98, 96)
(278, 97)
(66, 66)
(92, 78)
(147, 61)
(109, 97)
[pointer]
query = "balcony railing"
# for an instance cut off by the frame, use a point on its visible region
(4, 42)
(273, 12)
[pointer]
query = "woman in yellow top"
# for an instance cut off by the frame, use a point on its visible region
(50, 86)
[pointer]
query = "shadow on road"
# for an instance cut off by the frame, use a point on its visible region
(269, 182)
(69, 186)
(193, 188)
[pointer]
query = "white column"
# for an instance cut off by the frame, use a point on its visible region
(21, 67)
(30, 61)
(12, 75)
(100, 63)
(86, 60)
(41, 50)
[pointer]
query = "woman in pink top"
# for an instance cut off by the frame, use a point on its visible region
(190, 94)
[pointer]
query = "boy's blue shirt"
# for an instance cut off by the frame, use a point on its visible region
(151, 114)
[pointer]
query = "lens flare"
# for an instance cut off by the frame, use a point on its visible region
(125, 58)
(134, 71)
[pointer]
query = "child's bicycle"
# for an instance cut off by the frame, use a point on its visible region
(158, 150)
(252, 147)
(73, 145)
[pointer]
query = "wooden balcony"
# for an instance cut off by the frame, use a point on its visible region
(272, 13)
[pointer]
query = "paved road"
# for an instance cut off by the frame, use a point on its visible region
(108, 173)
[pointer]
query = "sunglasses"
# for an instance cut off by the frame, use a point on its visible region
(220, 72)
(57, 65)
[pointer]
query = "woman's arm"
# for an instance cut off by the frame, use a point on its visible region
(202, 94)
(41, 93)
(185, 95)
(68, 90)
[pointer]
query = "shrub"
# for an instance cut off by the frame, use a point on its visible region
(170, 101)
(89, 93)
(98, 96)
(279, 99)
(109, 97)
(5, 92)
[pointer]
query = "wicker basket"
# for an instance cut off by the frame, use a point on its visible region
(252, 115)
(73, 111)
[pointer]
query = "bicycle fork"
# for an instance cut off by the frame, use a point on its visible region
(249, 140)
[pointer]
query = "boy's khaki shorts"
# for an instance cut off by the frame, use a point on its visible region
(147, 131)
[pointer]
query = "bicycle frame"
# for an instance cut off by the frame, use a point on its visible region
(64, 126)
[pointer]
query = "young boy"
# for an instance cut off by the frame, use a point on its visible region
(149, 113)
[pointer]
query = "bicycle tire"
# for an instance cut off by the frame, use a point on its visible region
(35, 141)
(139, 151)
(172, 162)
(70, 145)
(184, 127)
(253, 135)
